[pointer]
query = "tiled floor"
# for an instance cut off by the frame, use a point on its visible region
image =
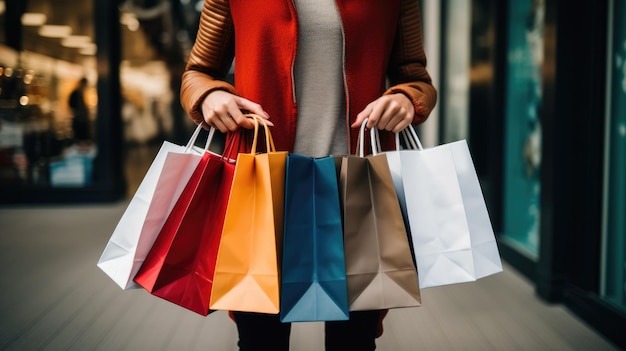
(53, 297)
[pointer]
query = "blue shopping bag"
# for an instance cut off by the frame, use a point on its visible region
(313, 283)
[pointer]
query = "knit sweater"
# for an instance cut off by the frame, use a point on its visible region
(321, 128)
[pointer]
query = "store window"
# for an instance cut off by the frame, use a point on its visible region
(614, 256)
(455, 90)
(145, 74)
(522, 153)
(156, 38)
(48, 95)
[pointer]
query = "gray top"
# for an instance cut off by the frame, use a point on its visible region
(318, 74)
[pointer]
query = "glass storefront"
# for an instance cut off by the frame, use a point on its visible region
(48, 95)
(522, 131)
(153, 56)
(455, 91)
(614, 251)
(80, 92)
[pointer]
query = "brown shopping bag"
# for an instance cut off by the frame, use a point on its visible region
(379, 267)
(247, 270)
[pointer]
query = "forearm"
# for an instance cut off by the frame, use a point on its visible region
(407, 67)
(210, 58)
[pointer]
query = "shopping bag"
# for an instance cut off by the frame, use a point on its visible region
(146, 212)
(247, 270)
(379, 267)
(453, 240)
(180, 265)
(313, 277)
(393, 161)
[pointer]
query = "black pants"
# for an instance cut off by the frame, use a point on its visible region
(266, 332)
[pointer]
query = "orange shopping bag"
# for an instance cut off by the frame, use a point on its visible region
(246, 272)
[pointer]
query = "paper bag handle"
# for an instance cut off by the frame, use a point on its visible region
(269, 141)
(227, 149)
(361, 139)
(375, 141)
(195, 135)
(411, 138)
(408, 134)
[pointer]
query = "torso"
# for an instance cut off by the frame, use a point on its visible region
(318, 75)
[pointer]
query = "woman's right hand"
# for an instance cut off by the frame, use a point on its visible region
(222, 110)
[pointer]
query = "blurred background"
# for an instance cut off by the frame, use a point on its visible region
(537, 87)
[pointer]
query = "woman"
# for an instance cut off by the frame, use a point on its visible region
(315, 69)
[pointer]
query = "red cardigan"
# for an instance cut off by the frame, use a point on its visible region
(383, 45)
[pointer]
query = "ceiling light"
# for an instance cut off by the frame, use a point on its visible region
(28, 78)
(33, 19)
(23, 100)
(76, 41)
(89, 50)
(55, 31)
(3, 7)
(130, 20)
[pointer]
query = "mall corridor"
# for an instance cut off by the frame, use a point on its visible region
(53, 297)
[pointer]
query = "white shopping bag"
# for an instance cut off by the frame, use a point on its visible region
(148, 209)
(452, 237)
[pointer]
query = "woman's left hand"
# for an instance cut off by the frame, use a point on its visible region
(392, 112)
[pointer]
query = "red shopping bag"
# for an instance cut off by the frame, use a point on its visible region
(180, 266)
